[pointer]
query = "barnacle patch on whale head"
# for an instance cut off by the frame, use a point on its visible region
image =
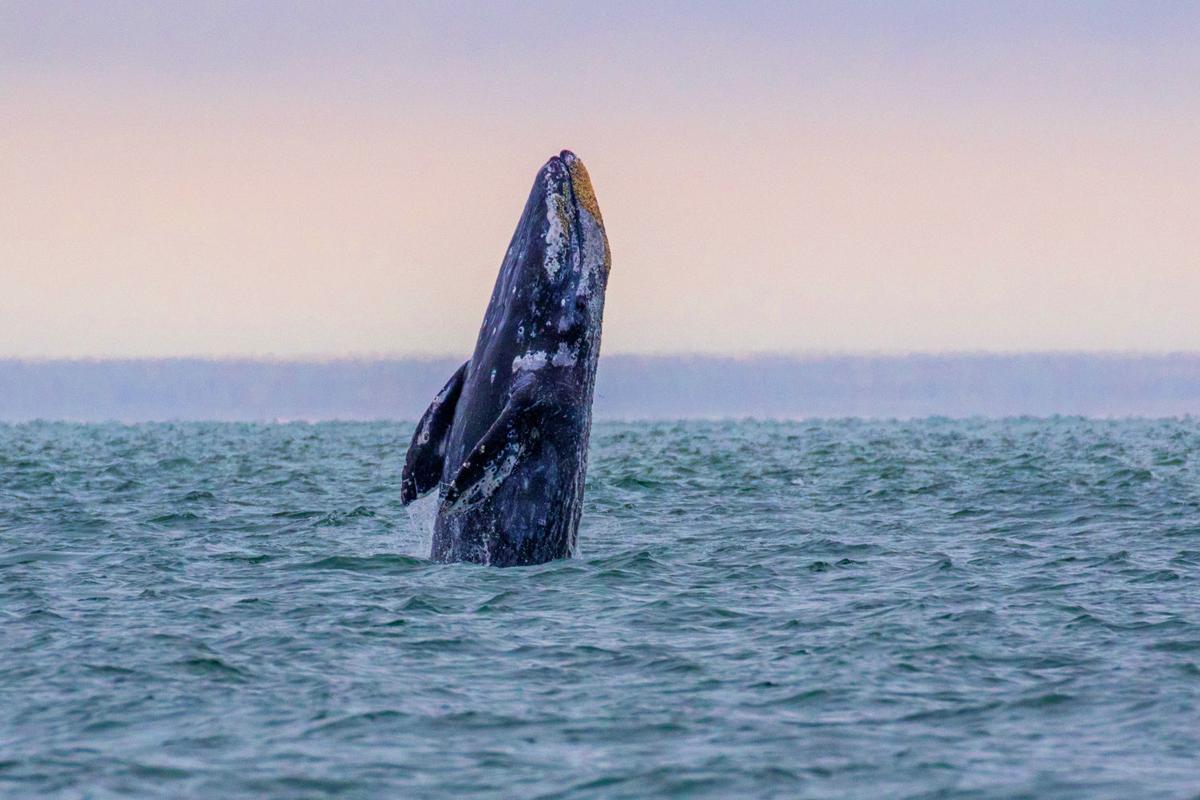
(581, 184)
(558, 224)
(585, 198)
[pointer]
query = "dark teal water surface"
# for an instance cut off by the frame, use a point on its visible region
(813, 609)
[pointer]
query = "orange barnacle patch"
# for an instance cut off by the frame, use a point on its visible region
(581, 184)
(585, 197)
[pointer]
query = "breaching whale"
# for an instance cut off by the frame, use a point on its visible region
(505, 442)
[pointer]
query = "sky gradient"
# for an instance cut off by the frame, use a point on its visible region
(308, 179)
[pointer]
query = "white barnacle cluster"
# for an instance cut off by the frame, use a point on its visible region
(556, 235)
(594, 256)
(493, 475)
(530, 361)
(564, 357)
(594, 262)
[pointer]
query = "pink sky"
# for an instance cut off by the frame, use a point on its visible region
(309, 184)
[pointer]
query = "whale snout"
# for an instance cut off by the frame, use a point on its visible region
(556, 173)
(566, 170)
(566, 229)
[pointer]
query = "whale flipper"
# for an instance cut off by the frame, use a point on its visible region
(427, 453)
(510, 438)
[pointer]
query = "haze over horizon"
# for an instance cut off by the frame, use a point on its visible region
(330, 180)
(627, 387)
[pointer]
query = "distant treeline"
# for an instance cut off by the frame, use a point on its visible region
(630, 387)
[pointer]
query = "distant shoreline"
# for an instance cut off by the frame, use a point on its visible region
(628, 387)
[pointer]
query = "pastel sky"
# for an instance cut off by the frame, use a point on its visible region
(334, 179)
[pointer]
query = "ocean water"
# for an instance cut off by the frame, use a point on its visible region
(932, 608)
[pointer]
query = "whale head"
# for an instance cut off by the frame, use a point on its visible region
(548, 302)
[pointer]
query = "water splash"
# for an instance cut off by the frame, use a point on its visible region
(422, 513)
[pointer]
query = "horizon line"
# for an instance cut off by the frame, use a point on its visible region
(747, 355)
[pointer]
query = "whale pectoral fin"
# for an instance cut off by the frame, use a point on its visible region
(427, 452)
(496, 454)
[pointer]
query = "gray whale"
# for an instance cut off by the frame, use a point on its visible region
(505, 442)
